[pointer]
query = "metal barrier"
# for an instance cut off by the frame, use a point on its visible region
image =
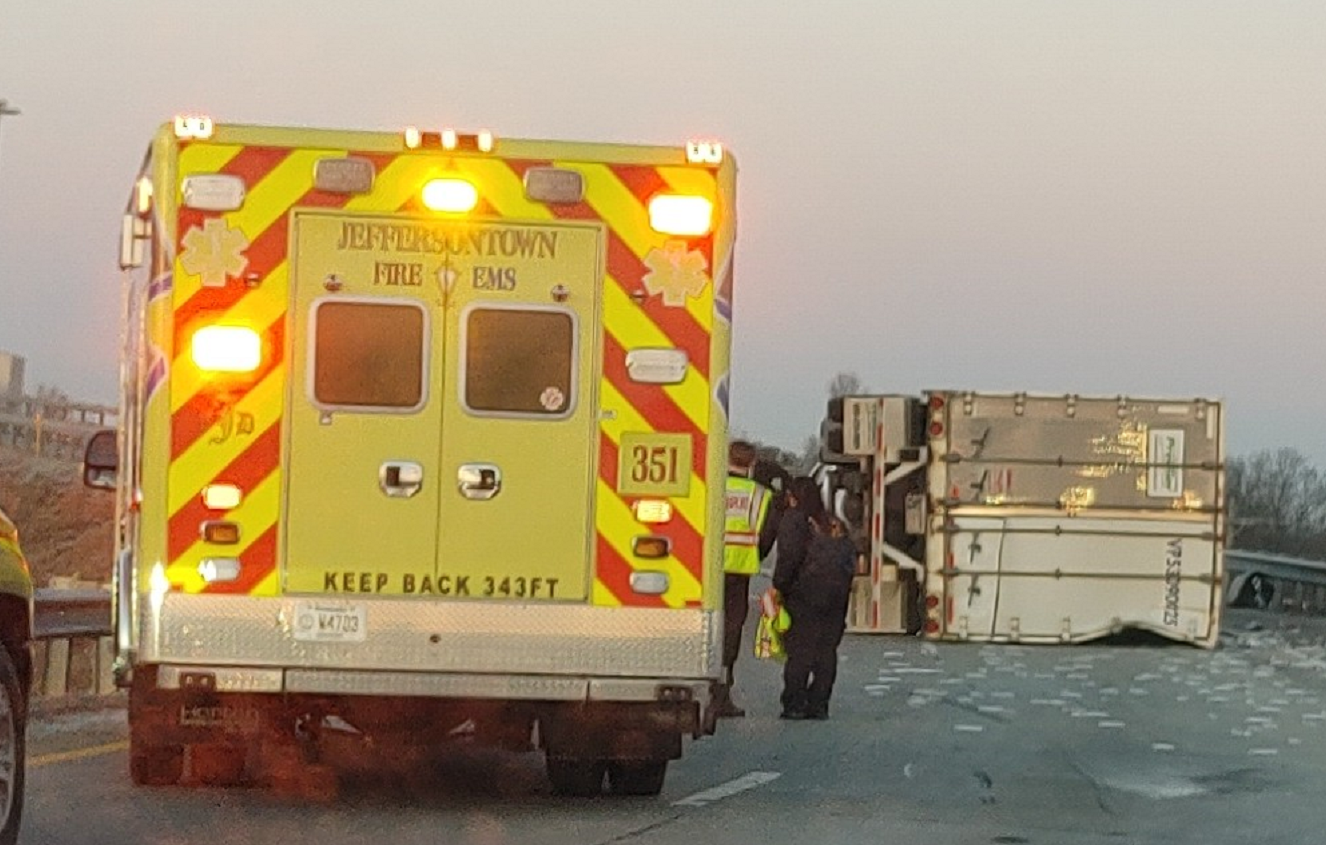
(1275, 582)
(74, 649)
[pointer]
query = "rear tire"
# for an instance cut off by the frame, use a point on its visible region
(576, 778)
(13, 719)
(637, 777)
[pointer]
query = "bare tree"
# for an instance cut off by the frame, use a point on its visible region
(845, 384)
(1277, 503)
(810, 453)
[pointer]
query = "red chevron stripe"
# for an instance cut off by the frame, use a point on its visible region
(628, 270)
(266, 252)
(642, 181)
(246, 471)
(252, 164)
(676, 323)
(615, 573)
(652, 402)
(199, 413)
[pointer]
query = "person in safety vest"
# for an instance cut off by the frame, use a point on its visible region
(747, 509)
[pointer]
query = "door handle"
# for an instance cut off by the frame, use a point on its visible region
(400, 479)
(479, 481)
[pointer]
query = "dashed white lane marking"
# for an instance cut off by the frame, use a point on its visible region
(1263, 752)
(1110, 724)
(746, 782)
(969, 729)
(1162, 746)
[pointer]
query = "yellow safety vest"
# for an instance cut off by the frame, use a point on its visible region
(747, 506)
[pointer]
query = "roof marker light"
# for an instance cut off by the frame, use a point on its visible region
(485, 141)
(704, 152)
(450, 194)
(449, 139)
(413, 138)
(195, 126)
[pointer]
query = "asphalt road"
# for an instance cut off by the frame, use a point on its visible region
(951, 744)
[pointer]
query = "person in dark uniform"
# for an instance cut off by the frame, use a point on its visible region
(777, 481)
(816, 561)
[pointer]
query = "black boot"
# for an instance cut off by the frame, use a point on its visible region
(724, 706)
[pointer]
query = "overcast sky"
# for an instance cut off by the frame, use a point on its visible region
(1090, 197)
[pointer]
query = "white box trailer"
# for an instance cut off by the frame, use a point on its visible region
(1015, 517)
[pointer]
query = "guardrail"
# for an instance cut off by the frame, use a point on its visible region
(1275, 582)
(74, 647)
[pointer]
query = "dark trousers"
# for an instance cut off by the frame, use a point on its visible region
(812, 659)
(736, 604)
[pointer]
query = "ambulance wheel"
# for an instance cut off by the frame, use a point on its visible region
(637, 777)
(576, 778)
(156, 766)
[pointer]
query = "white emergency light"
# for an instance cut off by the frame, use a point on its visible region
(216, 570)
(653, 510)
(680, 214)
(226, 349)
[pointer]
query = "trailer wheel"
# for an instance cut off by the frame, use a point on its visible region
(637, 777)
(1257, 591)
(576, 778)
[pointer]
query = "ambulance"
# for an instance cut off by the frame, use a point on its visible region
(423, 436)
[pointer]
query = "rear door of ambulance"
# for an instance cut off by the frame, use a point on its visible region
(442, 411)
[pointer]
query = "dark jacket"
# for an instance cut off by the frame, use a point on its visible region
(815, 569)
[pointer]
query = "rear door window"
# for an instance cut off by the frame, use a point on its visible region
(519, 362)
(369, 355)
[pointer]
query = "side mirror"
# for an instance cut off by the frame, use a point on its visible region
(101, 461)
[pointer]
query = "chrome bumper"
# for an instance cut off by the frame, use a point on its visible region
(429, 645)
(461, 686)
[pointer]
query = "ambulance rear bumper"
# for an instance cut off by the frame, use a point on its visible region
(568, 651)
(431, 685)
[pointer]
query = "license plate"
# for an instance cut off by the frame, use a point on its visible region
(337, 623)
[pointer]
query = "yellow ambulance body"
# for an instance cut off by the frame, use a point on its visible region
(423, 429)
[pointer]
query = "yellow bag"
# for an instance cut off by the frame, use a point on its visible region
(774, 622)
